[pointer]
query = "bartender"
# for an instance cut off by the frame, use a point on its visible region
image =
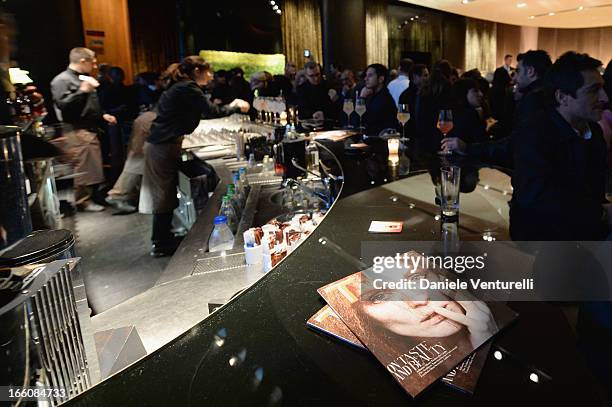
(180, 109)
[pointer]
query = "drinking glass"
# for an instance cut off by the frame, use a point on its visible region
(450, 177)
(445, 123)
(348, 109)
(360, 109)
(403, 115)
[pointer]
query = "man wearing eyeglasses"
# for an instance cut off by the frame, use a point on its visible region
(76, 105)
(313, 96)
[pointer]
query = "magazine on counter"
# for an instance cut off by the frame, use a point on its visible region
(326, 320)
(418, 340)
(463, 377)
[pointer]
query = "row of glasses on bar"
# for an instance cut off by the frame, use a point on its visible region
(358, 107)
(269, 109)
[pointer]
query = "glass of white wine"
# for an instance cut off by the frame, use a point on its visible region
(403, 115)
(360, 109)
(348, 108)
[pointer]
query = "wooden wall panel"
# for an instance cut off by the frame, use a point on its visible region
(508, 42)
(106, 29)
(594, 41)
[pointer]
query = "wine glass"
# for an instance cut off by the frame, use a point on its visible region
(445, 123)
(348, 108)
(403, 115)
(360, 109)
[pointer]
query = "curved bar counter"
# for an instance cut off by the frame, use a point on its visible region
(257, 350)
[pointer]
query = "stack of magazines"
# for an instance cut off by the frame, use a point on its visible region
(419, 338)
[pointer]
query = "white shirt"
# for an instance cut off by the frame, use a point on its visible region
(397, 86)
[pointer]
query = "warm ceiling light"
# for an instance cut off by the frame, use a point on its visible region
(465, 1)
(279, 12)
(551, 13)
(272, 2)
(521, 5)
(416, 16)
(580, 8)
(531, 17)
(275, 8)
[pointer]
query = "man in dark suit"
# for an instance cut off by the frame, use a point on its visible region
(532, 67)
(560, 159)
(313, 97)
(381, 111)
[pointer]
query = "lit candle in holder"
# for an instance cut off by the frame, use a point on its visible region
(393, 145)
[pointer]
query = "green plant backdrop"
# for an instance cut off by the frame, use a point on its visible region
(250, 63)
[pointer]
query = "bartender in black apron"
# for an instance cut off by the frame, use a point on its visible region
(180, 109)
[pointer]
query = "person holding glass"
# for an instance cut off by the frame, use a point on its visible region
(380, 108)
(464, 121)
(434, 95)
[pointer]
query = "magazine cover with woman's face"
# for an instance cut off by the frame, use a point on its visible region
(417, 339)
(463, 377)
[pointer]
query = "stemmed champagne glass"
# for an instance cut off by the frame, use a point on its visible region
(445, 123)
(348, 108)
(360, 109)
(403, 115)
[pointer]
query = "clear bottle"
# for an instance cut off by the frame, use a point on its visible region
(235, 202)
(239, 190)
(227, 210)
(312, 157)
(244, 180)
(221, 238)
(251, 163)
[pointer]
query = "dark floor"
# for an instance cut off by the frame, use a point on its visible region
(115, 257)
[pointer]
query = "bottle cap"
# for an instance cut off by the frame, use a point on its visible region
(242, 170)
(236, 177)
(220, 220)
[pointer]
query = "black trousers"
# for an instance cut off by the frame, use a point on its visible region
(162, 228)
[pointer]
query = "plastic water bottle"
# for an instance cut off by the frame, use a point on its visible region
(221, 238)
(244, 180)
(239, 190)
(227, 210)
(251, 163)
(233, 199)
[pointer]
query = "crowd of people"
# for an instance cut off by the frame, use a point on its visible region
(538, 120)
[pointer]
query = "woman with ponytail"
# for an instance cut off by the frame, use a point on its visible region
(179, 111)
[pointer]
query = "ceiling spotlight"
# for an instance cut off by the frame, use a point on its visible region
(498, 355)
(279, 12)
(531, 17)
(534, 378)
(272, 2)
(411, 18)
(416, 17)
(275, 7)
(580, 8)
(552, 13)
(465, 1)
(521, 5)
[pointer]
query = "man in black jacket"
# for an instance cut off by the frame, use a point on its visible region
(560, 159)
(532, 66)
(77, 106)
(313, 97)
(381, 110)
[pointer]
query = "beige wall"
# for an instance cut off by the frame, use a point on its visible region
(597, 42)
(512, 39)
(106, 30)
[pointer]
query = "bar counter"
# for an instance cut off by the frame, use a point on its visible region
(257, 350)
